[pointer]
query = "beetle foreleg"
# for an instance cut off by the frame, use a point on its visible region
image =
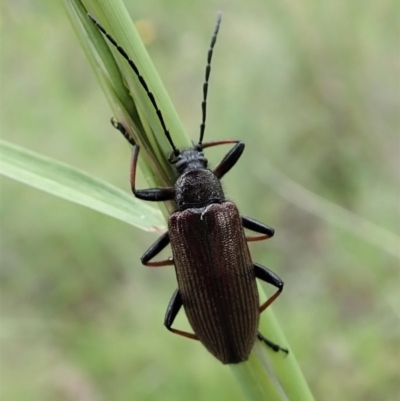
(154, 250)
(230, 158)
(258, 227)
(270, 277)
(273, 346)
(150, 194)
(173, 308)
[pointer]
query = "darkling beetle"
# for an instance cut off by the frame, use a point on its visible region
(216, 276)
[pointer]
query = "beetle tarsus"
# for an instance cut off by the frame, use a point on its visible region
(117, 125)
(270, 344)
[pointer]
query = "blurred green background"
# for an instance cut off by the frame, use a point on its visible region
(312, 88)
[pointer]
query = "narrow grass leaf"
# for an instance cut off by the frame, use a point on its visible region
(74, 185)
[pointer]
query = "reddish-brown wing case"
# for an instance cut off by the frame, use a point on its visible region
(216, 279)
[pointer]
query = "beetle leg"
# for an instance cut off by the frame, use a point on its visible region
(258, 227)
(230, 158)
(273, 346)
(154, 250)
(117, 125)
(217, 143)
(270, 277)
(150, 194)
(173, 308)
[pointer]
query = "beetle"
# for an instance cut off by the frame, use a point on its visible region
(215, 273)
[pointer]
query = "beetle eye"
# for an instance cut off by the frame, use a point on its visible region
(174, 158)
(180, 162)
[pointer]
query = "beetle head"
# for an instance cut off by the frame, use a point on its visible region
(189, 159)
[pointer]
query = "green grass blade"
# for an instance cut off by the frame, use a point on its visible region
(334, 214)
(69, 183)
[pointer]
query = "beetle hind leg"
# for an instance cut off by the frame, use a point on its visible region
(175, 304)
(154, 250)
(272, 345)
(270, 277)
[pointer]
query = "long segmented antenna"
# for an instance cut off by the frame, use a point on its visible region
(141, 80)
(207, 76)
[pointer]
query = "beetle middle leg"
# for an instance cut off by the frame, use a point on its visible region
(175, 304)
(258, 227)
(150, 194)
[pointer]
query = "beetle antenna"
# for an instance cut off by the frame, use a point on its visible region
(141, 80)
(207, 76)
